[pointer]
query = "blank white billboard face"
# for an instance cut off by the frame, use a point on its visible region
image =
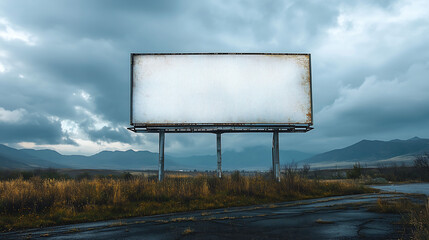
(181, 89)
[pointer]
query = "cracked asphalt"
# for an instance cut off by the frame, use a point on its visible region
(343, 217)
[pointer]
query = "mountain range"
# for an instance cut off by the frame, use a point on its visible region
(367, 152)
(256, 158)
(372, 153)
(11, 158)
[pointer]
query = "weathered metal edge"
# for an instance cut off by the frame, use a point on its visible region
(220, 53)
(131, 88)
(311, 90)
(253, 125)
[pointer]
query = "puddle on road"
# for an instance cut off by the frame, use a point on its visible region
(419, 188)
(339, 201)
(344, 230)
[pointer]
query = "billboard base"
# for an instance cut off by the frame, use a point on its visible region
(218, 132)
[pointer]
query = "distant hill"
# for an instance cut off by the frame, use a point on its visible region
(372, 153)
(256, 158)
(103, 160)
(11, 158)
(366, 152)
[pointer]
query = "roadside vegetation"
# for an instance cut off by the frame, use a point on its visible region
(418, 219)
(401, 205)
(48, 198)
(418, 171)
(415, 216)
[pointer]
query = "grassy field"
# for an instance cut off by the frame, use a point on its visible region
(38, 202)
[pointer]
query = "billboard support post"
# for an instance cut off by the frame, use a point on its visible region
(276, 156)
(161, 155)
(219, 154)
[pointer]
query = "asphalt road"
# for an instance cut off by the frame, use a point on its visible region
(344, 217)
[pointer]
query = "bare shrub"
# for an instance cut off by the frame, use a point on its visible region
(355, 172)
(421, 165)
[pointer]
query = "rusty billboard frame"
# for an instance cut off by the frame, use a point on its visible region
(219, 127)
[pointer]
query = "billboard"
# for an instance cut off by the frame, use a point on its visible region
(220, 90)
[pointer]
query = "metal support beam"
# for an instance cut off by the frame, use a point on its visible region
(161, 156)
(276, 156)
(219, 154)
(223, 129)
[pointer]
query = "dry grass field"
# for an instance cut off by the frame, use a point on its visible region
(38, 202)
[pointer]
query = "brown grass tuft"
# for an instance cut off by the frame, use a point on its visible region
(188, 231)
(321, 221)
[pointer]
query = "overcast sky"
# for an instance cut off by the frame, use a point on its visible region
(64, 68)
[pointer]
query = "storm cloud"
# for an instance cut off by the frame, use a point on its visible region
(64, 67)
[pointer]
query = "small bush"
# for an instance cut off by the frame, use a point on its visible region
(83, 176)
(356, 172)
(393, 206)
(235, 176)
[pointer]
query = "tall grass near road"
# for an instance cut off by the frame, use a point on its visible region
(415, 216)
(43, 202)
(419, 221)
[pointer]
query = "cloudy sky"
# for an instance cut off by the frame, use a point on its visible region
(64, 68)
